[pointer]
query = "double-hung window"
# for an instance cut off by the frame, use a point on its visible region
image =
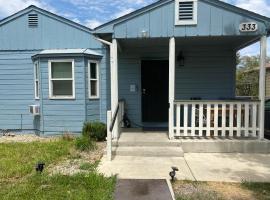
(36, 79)
(61, 79)
(93, 79)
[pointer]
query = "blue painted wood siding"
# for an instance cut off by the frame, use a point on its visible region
(208, 73)
(96, 109)
(160, 22)
(63, 115)
(18, 43)
(50, 34)
(16, 89)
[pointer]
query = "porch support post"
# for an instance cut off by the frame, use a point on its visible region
(263, 54)
(171, 85)
(114, 85)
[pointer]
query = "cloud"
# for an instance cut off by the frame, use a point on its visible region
(258, 6)
(92, 23)
(106, 10)
(123, 12)
(12, 6)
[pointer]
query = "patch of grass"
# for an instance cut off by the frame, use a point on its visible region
(85, 144)
(261, 190)
(67, 136)
(89, 166)
(79, 186)
(19, 159)
(18, 179)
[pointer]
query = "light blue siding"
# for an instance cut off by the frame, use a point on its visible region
(160, 22)
(50, 34)
(63, 115)
(18, 44)
(96, 109)
(16, 89)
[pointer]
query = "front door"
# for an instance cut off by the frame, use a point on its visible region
(155, 90)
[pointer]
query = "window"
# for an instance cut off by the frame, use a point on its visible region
(93, 79)
(186, 12)
(36, 79)
(61, 79)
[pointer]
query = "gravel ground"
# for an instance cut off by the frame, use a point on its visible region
(24, 138)
(72, 165)
(211, 191)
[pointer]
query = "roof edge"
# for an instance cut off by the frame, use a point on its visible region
(163, 2)
(135, 13)
(47, 13)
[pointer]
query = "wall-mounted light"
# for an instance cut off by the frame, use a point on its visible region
(181, 59)
(144, 34)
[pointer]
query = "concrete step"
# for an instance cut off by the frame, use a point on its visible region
(148, 151)
(174, 143)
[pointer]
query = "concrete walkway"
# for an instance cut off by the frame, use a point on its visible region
(193, 166)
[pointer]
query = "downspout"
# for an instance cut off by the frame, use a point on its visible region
(109, 113)
(113, 59)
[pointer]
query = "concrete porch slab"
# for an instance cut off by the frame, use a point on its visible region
(225, 145)
(134, 167)
(221, 167)
(229, 167)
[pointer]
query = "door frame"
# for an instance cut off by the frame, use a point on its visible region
(141, 95)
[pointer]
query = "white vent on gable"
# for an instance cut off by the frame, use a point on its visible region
(33, 20)
(186, 12)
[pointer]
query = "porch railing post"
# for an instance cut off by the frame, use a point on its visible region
(109, 136)
(171, 86)
(263, 45)
(114, 84)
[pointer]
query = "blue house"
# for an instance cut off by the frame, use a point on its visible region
(170, 65)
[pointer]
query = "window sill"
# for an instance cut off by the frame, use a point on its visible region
(93, 98)
(62, 98)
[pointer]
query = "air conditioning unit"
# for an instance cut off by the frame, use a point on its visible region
(34, 109)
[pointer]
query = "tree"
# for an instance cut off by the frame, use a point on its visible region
(247, 76)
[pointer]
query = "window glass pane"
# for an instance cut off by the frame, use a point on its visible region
(61, 70)
(93, 70)
(93, 88)
(62, 88)
(37, 89)
(36, 71)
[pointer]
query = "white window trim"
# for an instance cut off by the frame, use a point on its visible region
(36, 79)
(51, 96)
(89, 79)
(195, 13)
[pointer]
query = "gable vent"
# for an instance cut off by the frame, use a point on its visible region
(32, 20)
(186, 10)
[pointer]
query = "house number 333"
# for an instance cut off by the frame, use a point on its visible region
(248, 27)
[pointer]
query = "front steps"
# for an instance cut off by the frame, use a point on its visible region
(150, 144)
(148, 151)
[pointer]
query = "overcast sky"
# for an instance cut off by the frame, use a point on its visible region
(92, 13)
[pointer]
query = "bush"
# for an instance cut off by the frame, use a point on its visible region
(84, 144)
(95, 130)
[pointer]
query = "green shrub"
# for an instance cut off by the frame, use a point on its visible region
(95, 130)
(84, 144)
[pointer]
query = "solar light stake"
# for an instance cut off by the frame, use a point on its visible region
(40, 167)
(173, 173)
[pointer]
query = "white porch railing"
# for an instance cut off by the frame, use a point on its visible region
(216, 118)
